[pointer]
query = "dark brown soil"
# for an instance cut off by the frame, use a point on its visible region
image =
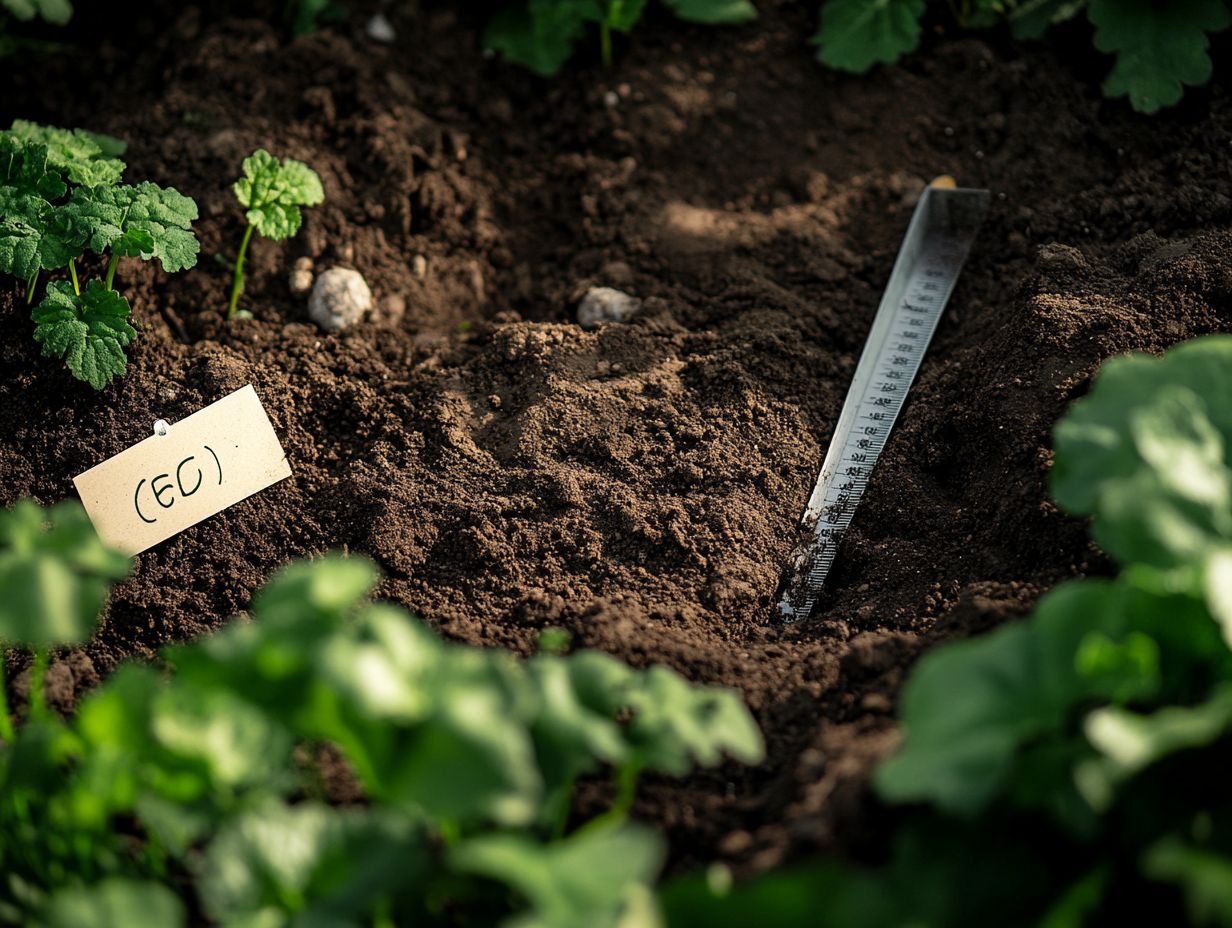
(639, 485)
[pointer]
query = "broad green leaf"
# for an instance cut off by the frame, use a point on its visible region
(971, 709)
(35, 235)
(541, 41)
(855, 35)
(1147, 454)
(272, 193)
(714, 12)
(589, 879)
(77, 153)
(25, 170)
(89, 331)
(677, 724)
(1159, 47)
(308, 864)
(115, 902)
(146, 221)
(54, 575)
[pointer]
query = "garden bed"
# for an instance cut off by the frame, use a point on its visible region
(638, 485)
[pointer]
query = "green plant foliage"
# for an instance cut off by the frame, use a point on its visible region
(89, 330)
(87, 158)
(855, 35)
(271, 192)
(145, 221)
(1068, 769)
(1159, 48)
(542, 35)
(205, 775)
(61, 195)
(54, 575)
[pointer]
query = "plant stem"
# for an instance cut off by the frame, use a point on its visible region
(237, 284)
(6, 722)
(38, 679)
(33, 282)
(72, 270)
(627, 776)
(111, 268)
(605, 44)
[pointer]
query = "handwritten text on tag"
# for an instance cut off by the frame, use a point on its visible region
(160, 486)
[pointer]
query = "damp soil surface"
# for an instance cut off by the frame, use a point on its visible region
(640, 484)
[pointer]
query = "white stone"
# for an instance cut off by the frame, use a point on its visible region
(606, 304)
(340, 297)
(381, 29)
(301, 275)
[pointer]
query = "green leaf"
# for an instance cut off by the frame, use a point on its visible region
(89, 331)
(115, 902)
(34, 235)
(54, 575)
(25, 170)
(75, 152)
(971, 710)
(541, 39)
(273, 191)
(1147, 454)
(855, 35)
(146, 221)
(677, 724)
(1030, 20)
(623, 15)
(308, 864)
(715, 12)
(1159, 47)
(592, 878)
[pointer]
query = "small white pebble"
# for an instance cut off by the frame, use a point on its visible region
(605, 304)
(340, 297)
(419, 266)
(611, 98)
(301, 275)
(381, 29)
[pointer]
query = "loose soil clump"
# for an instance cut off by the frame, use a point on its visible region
(637, 484)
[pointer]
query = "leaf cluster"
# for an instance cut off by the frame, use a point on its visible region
(1068, 769)
(272, 192)
(209, 775)
(1159, 48)
(61, 195)
(542, 35)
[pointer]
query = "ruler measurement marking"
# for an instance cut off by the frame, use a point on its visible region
(924, 275)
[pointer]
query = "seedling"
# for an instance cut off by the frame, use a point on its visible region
(60, 196)
(272, 193)
(542, 34)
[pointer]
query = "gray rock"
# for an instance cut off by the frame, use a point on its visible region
(604, 305)
(381, 29)
(340, 297)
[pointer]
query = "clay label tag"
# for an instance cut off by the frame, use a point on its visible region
(160, 486)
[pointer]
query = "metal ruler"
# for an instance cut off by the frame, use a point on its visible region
(936, 245)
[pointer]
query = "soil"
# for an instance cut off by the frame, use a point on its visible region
(638, 485)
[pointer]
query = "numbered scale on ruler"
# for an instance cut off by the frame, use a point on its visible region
(932, 254)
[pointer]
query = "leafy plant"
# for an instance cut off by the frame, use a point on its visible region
(60, 196)
(1069, 769)
(271, 192)
(1160, 48)
(543, 34)
(207, 779)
